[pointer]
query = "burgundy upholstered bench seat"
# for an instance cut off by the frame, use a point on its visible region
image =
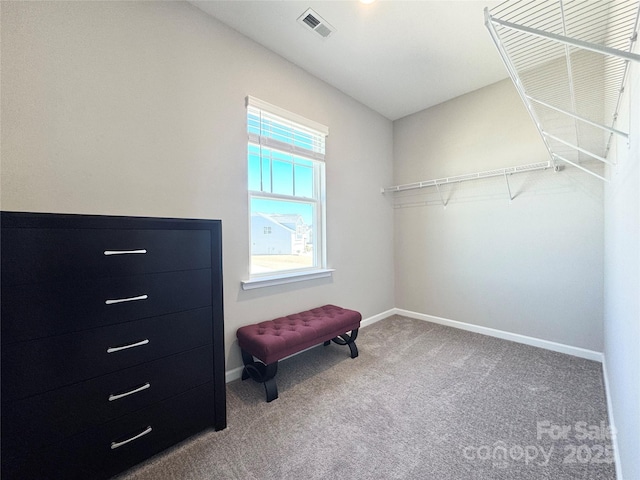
(274, 340)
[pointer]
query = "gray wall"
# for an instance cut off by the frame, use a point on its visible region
(622, 283)
(137, 108)
(533, 266)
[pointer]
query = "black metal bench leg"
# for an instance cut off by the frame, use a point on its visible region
(270, 387)
(353, 348)
(349, 340)
(265, 374)
(261, 373)
(247, 359)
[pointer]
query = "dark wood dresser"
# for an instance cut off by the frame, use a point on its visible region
(112, 340)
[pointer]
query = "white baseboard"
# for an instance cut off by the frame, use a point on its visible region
(376, 318)
(612, 422)
(514, 337)
(236, 373)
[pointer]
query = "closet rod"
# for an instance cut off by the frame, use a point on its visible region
(469, 176)
(560, 157)
(578, 117)
(579, 149)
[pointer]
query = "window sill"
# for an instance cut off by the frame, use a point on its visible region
(282, 279)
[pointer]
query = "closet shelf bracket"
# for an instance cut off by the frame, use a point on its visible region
(506, 179)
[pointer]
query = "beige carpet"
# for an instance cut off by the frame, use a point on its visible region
(422, 401)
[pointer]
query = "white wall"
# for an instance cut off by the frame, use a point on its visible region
(622, 283)
(137, 108)
(533, 266)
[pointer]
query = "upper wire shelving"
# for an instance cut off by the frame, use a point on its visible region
(569, 61)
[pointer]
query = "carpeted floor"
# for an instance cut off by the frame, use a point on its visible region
(422, 401)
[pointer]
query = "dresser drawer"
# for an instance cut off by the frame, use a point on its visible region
(52, 308)
(38, 366)
(119, 444)
(39, 254)
(45, 419)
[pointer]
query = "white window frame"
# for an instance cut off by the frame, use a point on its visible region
(316, 155)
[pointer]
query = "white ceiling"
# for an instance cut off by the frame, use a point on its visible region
(397, 57)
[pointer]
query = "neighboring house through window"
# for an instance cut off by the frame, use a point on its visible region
(286, 183)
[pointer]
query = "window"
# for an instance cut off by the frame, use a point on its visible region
(285, 156)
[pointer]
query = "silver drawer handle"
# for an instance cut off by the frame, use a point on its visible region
(125, 252)
(130, 299)
(113, 397)
(115, 445)
(124, 347)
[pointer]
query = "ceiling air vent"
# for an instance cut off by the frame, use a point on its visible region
(316, 23)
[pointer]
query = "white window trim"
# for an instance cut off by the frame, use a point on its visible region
(292, 276)
(284, 278)
(281, 112)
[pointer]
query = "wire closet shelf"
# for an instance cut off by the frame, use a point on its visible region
(498, 172)
(569, 61)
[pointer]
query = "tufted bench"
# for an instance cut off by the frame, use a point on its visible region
(273, 340)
